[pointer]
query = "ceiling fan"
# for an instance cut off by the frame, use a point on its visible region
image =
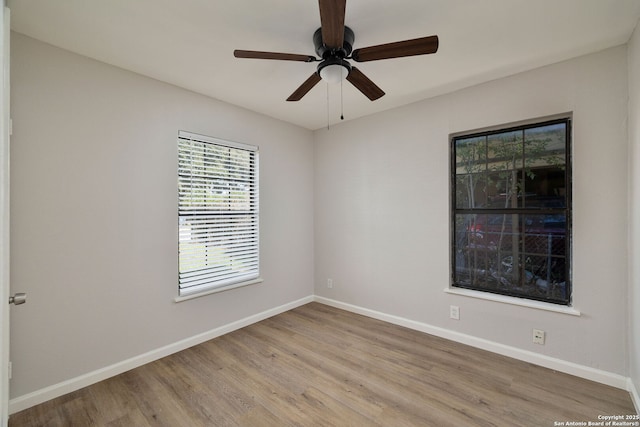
(333, 43)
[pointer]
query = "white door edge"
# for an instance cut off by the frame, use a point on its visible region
(4, 214)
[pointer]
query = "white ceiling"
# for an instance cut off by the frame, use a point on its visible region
(190, 43)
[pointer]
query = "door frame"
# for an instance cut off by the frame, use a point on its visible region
(4, 212)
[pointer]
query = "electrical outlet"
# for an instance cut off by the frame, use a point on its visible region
(538, 336)
(454, 312)
(329, 283)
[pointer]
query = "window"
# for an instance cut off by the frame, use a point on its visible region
(511, 213)
(218, 213)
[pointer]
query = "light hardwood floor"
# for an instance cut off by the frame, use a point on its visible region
(320, 366)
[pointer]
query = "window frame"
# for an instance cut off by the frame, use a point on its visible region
(567, 211)
(237, 279)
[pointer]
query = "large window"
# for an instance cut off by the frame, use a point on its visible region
(218, 213)
(511, 214)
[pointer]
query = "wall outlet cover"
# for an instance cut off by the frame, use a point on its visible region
(538, 336)
(454, 312)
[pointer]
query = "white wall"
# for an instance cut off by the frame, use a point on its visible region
(634, 217)
(94, 216)
(382, 209)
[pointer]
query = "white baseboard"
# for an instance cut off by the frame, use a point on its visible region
(23, 402)
(586, 372)
(635, 396)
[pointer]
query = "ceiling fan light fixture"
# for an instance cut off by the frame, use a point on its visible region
(334, 73)
(334, 70)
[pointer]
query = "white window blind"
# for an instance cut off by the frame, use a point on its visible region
(218, 213)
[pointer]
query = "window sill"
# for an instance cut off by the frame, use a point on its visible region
(538, 305)
(182, 298)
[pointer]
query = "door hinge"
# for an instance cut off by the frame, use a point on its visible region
(10, 369)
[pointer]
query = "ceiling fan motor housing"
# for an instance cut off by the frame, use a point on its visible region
(342, 52)
(333, 56)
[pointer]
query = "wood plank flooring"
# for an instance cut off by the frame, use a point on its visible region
(320, 366)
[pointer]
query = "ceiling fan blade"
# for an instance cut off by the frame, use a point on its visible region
(332, 22)
(272, 55)
(364, 85)
(420, 46)
(305, 87)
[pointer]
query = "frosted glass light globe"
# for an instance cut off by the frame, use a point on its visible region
(334, 73)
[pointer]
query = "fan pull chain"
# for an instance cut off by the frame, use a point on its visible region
(341, 102)
(328, 116)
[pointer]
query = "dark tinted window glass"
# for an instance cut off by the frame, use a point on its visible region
(511, 217)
